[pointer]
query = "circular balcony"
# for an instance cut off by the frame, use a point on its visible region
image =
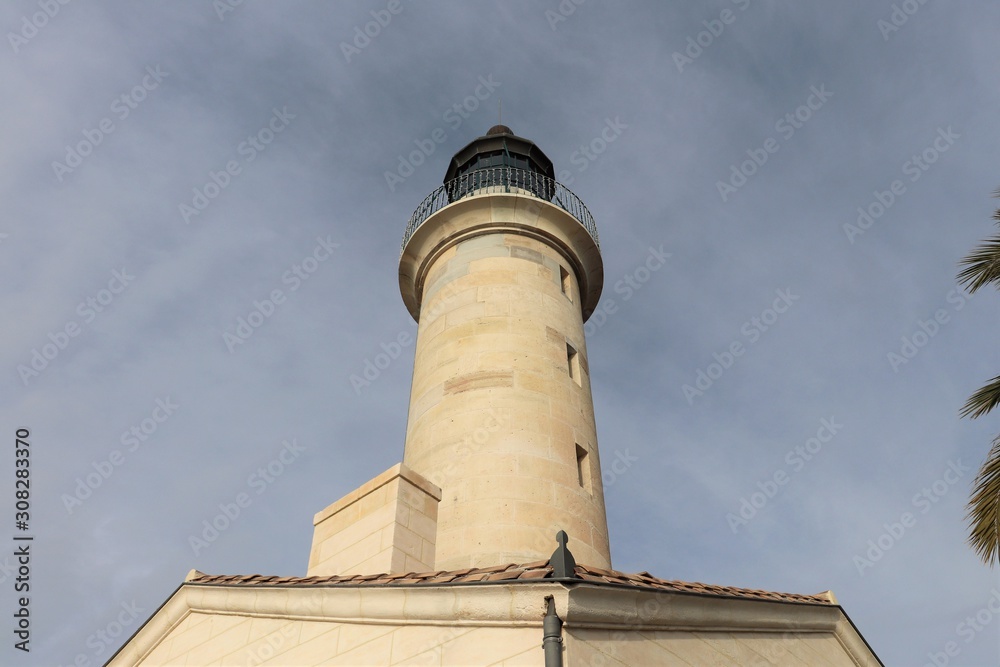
(501, 180)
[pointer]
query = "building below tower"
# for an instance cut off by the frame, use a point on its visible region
(490, 616)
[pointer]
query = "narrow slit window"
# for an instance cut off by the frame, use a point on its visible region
(583, 468)
(567, 286)
(573, 363)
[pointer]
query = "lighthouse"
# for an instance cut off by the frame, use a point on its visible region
(488, 543)
(501, 267)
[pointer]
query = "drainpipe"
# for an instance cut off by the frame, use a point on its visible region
(552, 641)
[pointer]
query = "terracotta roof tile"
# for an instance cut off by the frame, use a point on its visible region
(496, 568)
(535, 571)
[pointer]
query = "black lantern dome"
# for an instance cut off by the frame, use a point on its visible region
(499, 147)
(500, 162)
(500, 158)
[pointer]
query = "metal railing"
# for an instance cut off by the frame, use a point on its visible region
(498, 180)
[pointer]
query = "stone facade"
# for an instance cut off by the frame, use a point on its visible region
(386, 525)
(501, 414)
(316, 622)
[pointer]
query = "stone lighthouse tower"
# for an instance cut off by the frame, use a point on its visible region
(447, 557)
(501, 267)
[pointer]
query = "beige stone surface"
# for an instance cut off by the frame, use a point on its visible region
(486, 625)
(389, 524)
(291, 643)
(218, 625)
(494, 381)
(736, 649)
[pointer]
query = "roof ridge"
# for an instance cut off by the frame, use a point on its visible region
(512, 572)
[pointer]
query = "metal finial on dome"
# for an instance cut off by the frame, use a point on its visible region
(499, 129)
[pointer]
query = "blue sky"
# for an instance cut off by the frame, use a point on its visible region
(814, 170)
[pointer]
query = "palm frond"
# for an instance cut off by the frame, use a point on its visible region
(982, 265)
(985, 399)
(984, 508)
